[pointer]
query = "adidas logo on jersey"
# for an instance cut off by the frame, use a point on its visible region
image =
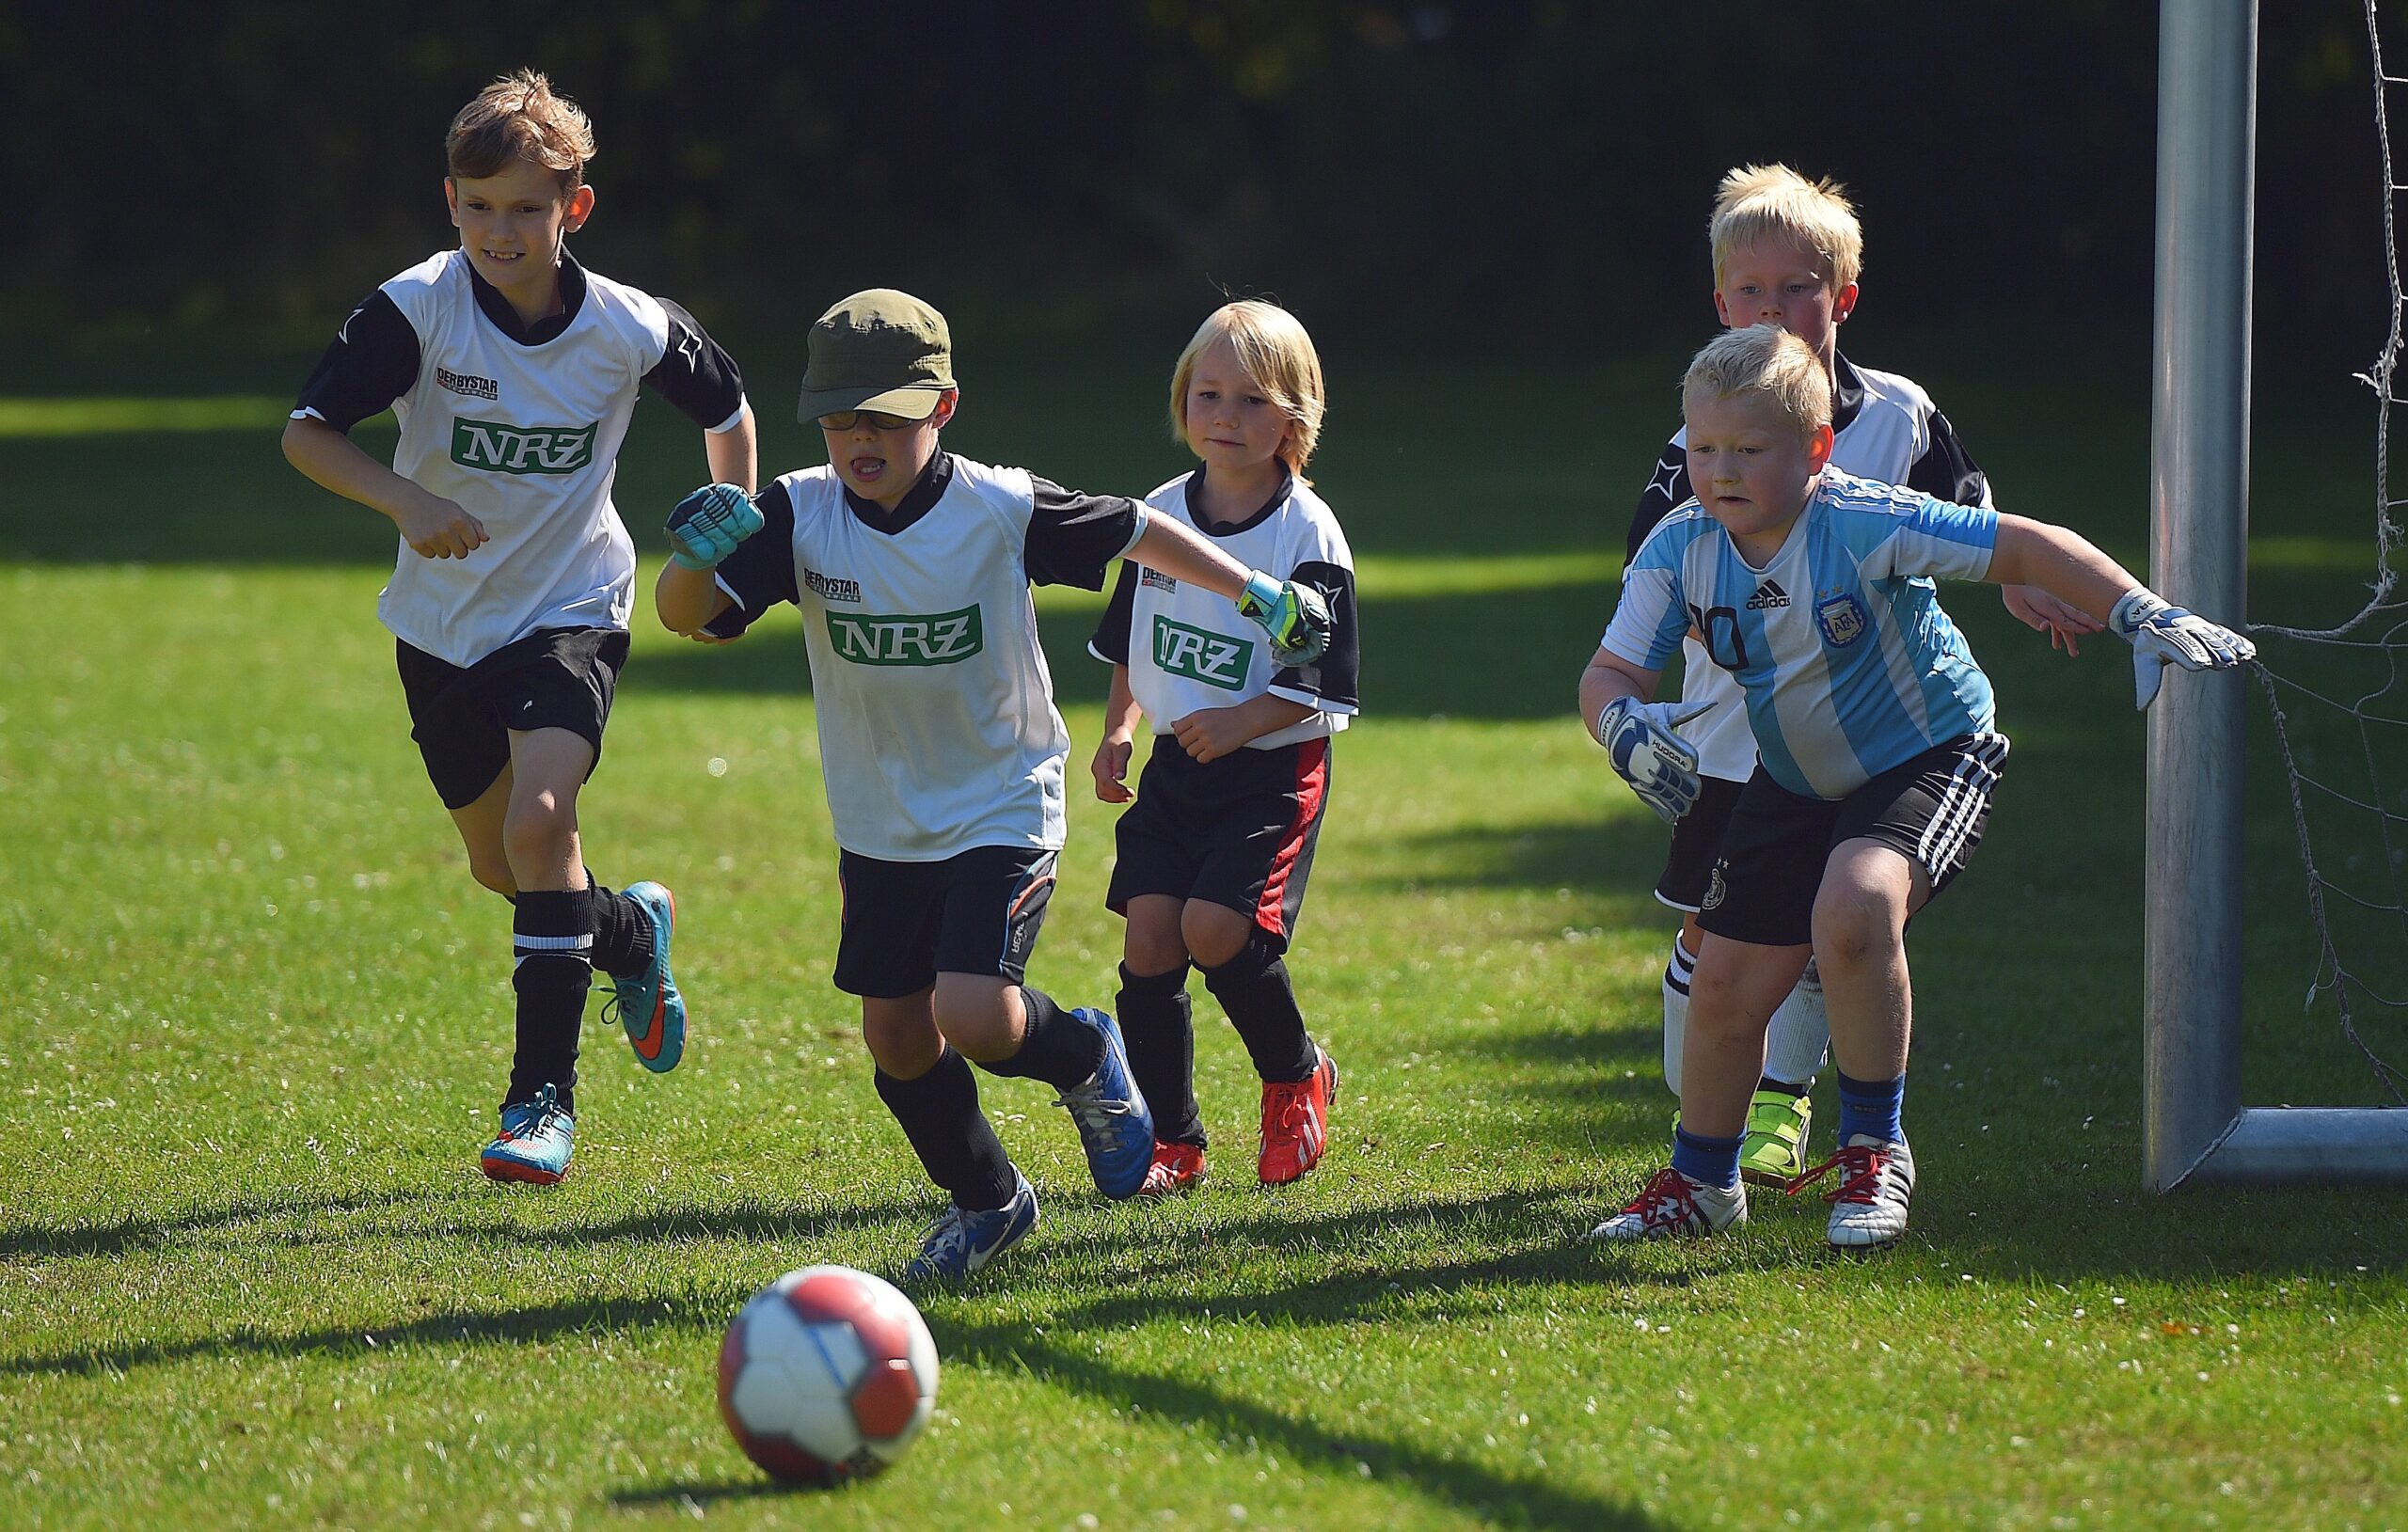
(1767, 597)
(1214, 659)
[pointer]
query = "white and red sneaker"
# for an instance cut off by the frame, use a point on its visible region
(1295, 1122)
(1671, 1204)
(1176, 1168)
(1869, 1206)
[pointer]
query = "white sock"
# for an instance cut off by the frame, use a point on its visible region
(1798, 1043)
(1676, 1011)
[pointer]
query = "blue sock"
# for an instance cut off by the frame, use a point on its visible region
(1872, 1107)
(1708, 1162)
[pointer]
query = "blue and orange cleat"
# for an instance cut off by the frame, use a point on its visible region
(647, 1003)
(534, 1144)
(1115, 1125)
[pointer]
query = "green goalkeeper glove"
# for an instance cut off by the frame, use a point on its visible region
(1294, 615)
(2163, 635)
(708, 524)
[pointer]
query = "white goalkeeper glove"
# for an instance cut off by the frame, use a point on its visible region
(1659, 765)
(2162, 635)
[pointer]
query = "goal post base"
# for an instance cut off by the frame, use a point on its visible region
(2286, 1146)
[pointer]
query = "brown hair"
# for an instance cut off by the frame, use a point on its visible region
(518, 117)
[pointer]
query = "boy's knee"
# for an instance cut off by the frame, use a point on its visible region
(1214, 934)
(1856, 926)
(540, 825)
(977, 1017)
(493, 874)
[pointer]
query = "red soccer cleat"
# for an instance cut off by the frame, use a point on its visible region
(1295, 1122)
(1177, 1167)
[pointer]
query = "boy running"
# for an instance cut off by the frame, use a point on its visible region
(1877, 755)
(938, 741)
(1215, 857)
(1787, 251)
(513, 371)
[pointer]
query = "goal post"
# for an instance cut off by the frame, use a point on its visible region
(2195, 1126)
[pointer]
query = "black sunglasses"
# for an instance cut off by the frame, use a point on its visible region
(878, 420)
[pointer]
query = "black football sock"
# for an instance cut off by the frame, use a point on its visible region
(621, 932)
(1158, 1028)
(1057, 1047)
(956, 1144)
(551, 948)
(1253, 988)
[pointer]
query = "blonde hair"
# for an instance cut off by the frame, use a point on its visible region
(1279, 359)
(518, 117)
(1768, 360)
(1760, 202)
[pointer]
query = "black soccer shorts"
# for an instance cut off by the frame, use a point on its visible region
(977, 911)
(462, 718)
(1930, 810)
(1697, 845)
(1239, 832)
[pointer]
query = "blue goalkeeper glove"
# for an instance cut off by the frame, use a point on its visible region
(1659, 765)
(1294, 615)
(2163, 635)
(708, 524)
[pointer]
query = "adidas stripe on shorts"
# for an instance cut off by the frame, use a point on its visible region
(1931, 809)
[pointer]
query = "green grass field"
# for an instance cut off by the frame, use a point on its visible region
(257, 1024)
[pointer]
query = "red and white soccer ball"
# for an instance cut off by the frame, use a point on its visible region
(827, 1375)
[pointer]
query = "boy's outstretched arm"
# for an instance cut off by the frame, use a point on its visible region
(1638, 735)
(705, 529)
(2070, 567)
(434, 528)
(1296, 616)
(734, 454)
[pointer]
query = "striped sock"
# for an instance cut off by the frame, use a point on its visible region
(551, 971)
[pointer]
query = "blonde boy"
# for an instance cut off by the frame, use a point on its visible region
(1877, 755)
(1788, 251)
(1217, 852)
(513, 371)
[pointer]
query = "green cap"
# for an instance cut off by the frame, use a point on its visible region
(879, 350)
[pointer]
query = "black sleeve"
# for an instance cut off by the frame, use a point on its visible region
(1073, 538)
(760, 573)
(1109, 641)
(373, 361)
(1946, 471)
(694, 373)
(1667, 489)
(1330, 678)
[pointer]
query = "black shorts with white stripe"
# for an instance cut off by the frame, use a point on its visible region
(1931, 810)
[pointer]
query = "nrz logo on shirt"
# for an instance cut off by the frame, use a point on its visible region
(1211, 657)
(467, 383)
(508, 448)
(831, 587)
(945, 638)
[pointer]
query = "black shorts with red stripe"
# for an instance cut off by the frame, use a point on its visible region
(1238, 832)
(1930, 810)
(977, 911)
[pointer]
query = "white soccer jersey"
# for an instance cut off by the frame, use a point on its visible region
(522, 430)
(1849, 664)
(1188, 649)
(938, 732)
(1884, 428)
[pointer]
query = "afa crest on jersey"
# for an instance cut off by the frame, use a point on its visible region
(1842, 619)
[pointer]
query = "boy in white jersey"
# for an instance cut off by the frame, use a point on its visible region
(1877, 753)
(512, 373)
(939, 742)
(1215, 857)
(1788, 251)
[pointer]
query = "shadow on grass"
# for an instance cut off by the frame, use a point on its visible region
(697, 1495)
(119, 1236)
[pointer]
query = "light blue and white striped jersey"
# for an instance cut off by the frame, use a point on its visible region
(1849, 665)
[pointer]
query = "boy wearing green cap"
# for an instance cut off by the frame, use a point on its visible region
(940, 744)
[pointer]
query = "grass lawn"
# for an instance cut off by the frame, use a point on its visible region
(257, 1023)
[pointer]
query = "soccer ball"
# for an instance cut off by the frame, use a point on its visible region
(827, 1375)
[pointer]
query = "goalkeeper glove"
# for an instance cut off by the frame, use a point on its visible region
(1659, 765)
(708, 524)
(1294, 615)
(2163, 635)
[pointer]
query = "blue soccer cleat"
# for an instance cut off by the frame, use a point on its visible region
(534, 1143)
(961, 1241)
(649, 1003)
(1114, 1122)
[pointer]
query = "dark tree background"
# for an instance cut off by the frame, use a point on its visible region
(1527, 177)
